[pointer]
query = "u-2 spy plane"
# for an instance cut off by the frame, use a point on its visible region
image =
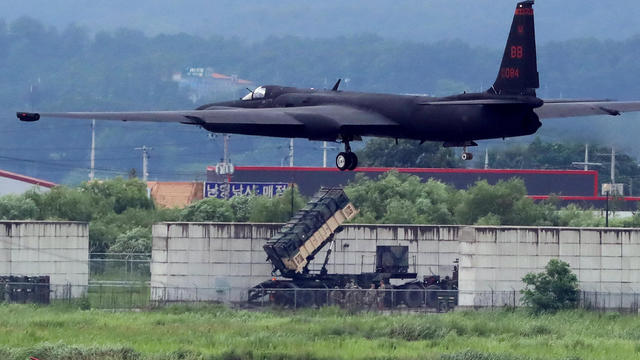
(509, 108)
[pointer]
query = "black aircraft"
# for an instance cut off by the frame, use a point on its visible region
(509, 108)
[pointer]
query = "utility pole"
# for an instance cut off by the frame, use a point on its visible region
(612, 189)
(145, 161)
(486, 158)
(606, 224)
(324, 154)
(225, 156)
(324, 148)
(613, 165)
(291, 152)
(586, 162)
(92, 172)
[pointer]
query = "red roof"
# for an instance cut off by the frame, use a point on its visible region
(175, 194)
(220, 76)
(227, 77)
(27, 179)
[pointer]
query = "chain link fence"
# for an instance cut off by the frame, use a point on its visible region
(119, 268)
(141, 295)
(122, 281)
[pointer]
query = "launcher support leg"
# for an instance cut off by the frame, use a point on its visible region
(323, 271)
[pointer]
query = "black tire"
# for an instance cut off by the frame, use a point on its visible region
(414, 296)
(322, 297)
(320, 294)
(342, 161)
(432, 295)
(284, 294)
(353, 161)
(467, 156)
(304, 298)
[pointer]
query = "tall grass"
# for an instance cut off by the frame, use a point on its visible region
(216, 332)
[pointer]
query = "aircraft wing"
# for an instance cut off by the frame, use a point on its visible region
(474, 102)
(326, 119)
(573, 108)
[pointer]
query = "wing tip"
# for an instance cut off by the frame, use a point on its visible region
(27, 116)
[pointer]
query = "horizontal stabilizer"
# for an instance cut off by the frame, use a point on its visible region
(563, 109)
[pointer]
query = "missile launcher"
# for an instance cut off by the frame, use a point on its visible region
(302, 237)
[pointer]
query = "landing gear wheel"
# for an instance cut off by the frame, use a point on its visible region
(353, 161)
(467, 156)
(346, 160)
(342, 161)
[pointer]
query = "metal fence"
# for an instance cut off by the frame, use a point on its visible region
(141, 295)
(623, 302)
(119, 268)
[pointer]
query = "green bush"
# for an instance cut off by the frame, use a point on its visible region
(554, 289)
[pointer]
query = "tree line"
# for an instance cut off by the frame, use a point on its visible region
(120, 213)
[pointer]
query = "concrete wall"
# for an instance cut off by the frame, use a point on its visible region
(493, 260)
(38, 248)
(222, 260)
(496, 259)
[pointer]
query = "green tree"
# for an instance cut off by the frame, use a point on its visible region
(63, 203)
(395, 197)
(16, 207)
(241, 207)
(483, 199)
(210, 209)
(504, 203)
(554, 289)
(278, 209)
(136, 240)
(573, 216)
(119, 194)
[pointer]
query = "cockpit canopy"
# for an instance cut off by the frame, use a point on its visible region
(258, 93)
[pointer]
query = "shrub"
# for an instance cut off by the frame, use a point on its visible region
(554, 289)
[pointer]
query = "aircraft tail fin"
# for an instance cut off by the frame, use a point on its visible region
(518, 73)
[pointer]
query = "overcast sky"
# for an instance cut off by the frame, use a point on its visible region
(479, 22)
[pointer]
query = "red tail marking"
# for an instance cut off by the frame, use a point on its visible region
(517, 52)
(524, 11)
(520, 29)
(510, 73)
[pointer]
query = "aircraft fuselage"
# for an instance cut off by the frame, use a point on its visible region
(417, 117)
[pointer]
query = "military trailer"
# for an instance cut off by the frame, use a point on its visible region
(25, 289)
(295, 246)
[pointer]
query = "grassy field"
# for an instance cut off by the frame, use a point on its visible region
(215, 332)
